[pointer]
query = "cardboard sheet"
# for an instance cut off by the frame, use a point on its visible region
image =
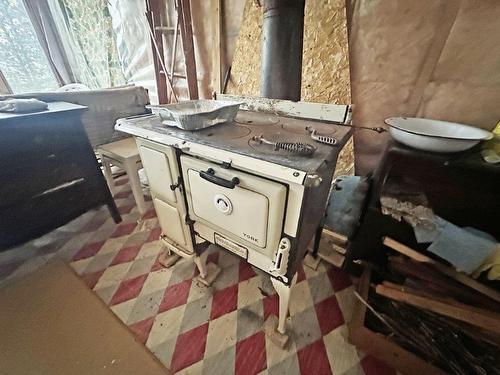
(51, 323)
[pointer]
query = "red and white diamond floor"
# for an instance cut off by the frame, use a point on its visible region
(193, 329)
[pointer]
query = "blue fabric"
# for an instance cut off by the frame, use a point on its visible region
(429, 234)
(464, 249)
(345, 204)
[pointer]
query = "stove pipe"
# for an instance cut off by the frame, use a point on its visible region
(282, 39)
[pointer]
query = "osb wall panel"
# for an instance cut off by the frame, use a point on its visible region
(398, 69)
(325, 65)
(245, 70)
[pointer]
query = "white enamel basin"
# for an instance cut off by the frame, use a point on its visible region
(435, 135)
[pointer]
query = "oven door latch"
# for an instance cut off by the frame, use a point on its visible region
(178, 184)
(281, 259)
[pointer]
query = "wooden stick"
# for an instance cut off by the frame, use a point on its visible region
(405, 250)
(333, 258)
(378, 345)
(358, 316)
(339, 238)
(448, 271)
(216, 48)
(337, 248)
(184, 7)
(478, 317)
(435, 281)
(174, 49)
(397, 357)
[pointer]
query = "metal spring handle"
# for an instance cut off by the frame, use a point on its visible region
(298, 148)
(321, 138)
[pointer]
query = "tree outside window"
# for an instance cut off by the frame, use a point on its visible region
(22, 60)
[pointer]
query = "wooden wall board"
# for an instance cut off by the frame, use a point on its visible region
(215, 13)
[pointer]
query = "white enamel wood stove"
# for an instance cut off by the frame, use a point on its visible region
(220, 186)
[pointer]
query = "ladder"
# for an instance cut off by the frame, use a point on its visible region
(159, 30)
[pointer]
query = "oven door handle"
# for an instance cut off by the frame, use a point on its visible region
(210, 176)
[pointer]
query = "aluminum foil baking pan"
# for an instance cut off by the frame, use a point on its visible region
(196, 114)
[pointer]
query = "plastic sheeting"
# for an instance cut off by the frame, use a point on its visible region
(133, 43)
(87, 39)
(130, 38)
(202, 23)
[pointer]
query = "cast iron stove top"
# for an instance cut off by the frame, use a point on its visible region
(236, 136)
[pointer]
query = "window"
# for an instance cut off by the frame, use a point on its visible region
(86, 27)
(22, 60)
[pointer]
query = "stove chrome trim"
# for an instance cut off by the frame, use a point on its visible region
(338, 113)
(230, 245)
(255, 258)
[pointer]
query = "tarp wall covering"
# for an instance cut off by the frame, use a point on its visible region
(438, 59)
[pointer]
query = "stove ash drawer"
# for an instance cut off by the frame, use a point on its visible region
(246, 208)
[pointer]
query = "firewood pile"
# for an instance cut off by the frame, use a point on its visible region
(431, 317)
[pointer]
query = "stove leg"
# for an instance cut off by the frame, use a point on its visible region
(202, 267)
(208, 272)
(275, 328)
(284, 292)
(168, 258)
(312, 259)
(317, 240)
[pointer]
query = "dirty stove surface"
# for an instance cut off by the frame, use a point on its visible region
(237, 136)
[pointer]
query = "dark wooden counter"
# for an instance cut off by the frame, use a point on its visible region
(48, 173)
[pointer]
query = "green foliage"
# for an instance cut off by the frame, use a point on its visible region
(90, 27)
(22, 60)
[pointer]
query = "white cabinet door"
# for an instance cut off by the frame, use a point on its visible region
(170, 222)
(160, 164)
(157, 165)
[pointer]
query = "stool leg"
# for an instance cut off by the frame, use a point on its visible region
(108, 174)
(133, 177)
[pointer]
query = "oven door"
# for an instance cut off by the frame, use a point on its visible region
(238, 206)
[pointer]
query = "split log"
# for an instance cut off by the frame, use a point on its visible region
(448, 271)
(478, 317)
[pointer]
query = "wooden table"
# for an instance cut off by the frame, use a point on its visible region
(48, 172)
